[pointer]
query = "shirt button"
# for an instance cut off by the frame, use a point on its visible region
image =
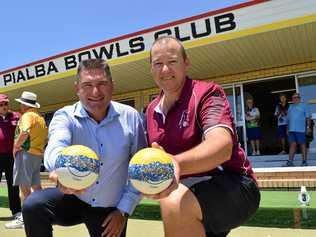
(101, 163)
(97, 182)
(93, 199)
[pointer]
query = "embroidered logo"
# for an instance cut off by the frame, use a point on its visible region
(184, 120)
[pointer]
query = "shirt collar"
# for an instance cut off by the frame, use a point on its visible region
(8, 115)
(185, 92)
(184, 96)
(31, 110)
(82, 113)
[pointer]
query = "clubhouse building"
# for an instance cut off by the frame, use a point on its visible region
(256, 49)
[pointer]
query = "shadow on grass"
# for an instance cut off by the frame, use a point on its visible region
(282, 218)
(147, 212)
(264, 217)
(4, 202)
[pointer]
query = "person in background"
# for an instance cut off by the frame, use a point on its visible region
(28, 149)
(252, 126)
(115, 132)
(299, 124)
(281, 115)
(214, 189)
(8, 122)
(239, 125)
(310, 136)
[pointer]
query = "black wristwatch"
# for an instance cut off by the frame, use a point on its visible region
(124, 214)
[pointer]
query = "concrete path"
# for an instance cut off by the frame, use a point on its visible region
(144, 228)
(265, 161)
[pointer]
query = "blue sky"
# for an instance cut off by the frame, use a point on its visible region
(36, 29)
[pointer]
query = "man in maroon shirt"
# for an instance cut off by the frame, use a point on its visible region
(8, 122)
(214, 188)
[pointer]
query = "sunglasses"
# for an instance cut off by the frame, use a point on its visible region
(4, 104)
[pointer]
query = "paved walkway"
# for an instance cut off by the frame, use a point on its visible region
(265, 161)
(144, 228)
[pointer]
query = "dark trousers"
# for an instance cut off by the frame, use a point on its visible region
(49, 206)
(6, 165)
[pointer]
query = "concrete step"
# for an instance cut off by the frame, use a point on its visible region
(280, 160)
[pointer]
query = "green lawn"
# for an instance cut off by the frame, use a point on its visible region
(284, 199)
(3, 191)
(4, 197)
(281, 199)
(276, 209)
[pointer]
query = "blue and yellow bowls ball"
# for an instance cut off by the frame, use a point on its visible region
(151, 170)
(77, 167)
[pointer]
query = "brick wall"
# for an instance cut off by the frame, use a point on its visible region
(286, 177)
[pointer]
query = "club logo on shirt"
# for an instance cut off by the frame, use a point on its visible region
(184, 120)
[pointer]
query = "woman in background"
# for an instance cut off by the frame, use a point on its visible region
(253, 127)
(281, 115)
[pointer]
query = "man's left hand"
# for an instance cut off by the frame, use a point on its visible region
(15, 150)
(309, 131)
(114, 224)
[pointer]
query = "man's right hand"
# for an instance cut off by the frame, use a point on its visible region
(54, 177)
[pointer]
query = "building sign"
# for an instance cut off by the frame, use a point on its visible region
(189, 30)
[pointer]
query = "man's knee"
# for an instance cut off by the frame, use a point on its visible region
(182, 202)
(170, 203)
(32, 204)
(25, 190)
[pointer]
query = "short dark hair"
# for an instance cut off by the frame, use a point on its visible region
(282, 94)
(166, 39)
(94, 63)
(296, 95)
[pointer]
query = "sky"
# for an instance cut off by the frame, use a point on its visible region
(36, 29)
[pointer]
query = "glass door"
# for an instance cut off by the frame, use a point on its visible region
(235, 96)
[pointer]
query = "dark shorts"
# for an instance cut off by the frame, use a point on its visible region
(253, 133)
(282, 130)
(50, 206)
(227, 200)
(297, 137)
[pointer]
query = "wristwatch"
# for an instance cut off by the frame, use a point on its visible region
(124, 214)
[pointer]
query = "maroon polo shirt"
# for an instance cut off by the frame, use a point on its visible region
(201, 107)
(7, 130)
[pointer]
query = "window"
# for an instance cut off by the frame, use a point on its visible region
(130, 102)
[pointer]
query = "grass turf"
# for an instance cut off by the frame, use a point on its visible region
(276, 210)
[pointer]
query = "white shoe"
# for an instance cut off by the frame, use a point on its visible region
(258, 153)
(254, 153)
(17, 223)
(16, 215)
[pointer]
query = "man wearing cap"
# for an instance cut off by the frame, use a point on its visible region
(8, 122)
(28, 149)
